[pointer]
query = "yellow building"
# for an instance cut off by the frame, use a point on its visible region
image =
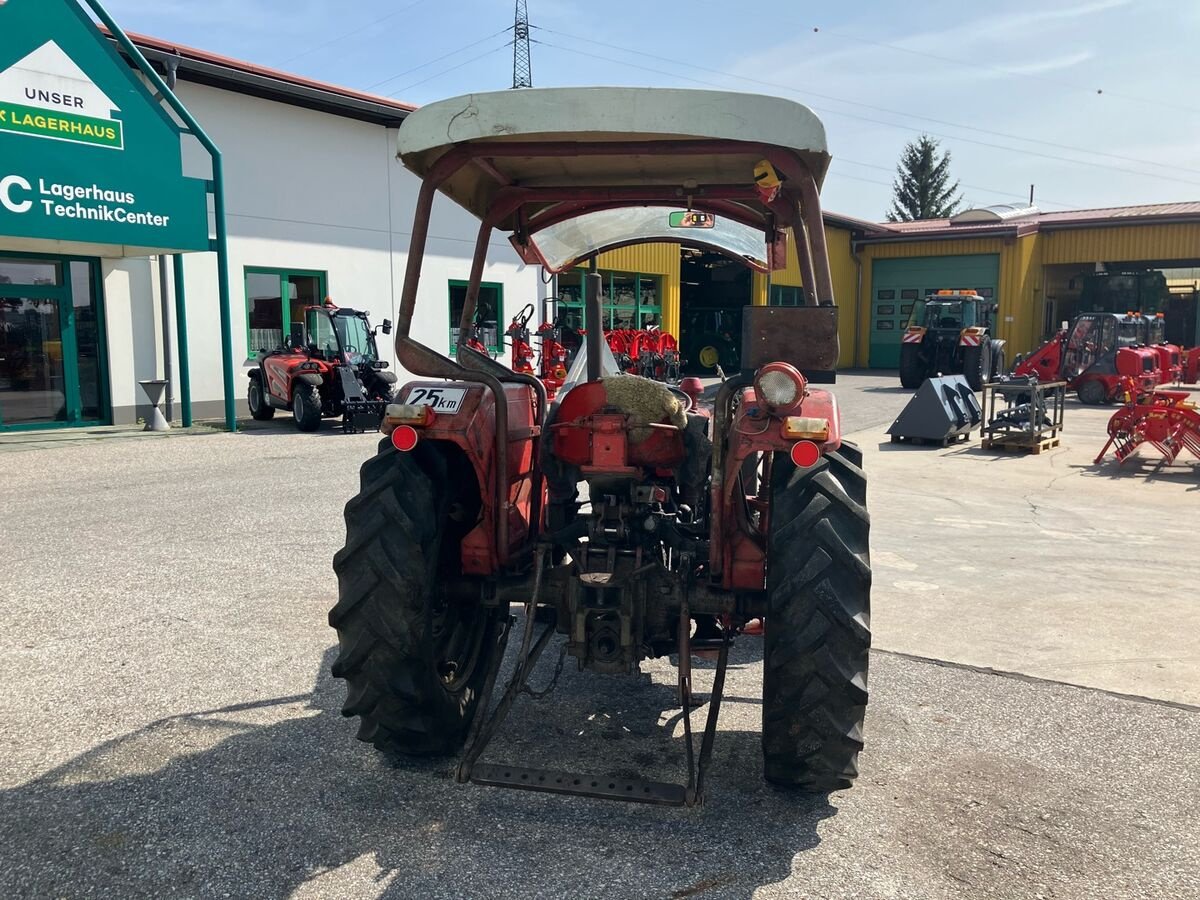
(1033, 263)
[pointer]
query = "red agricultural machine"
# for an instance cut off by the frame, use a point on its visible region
(630, 520)
(1102, 356)
(329, 366)
(1166, 420)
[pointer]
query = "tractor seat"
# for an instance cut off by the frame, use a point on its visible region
(948, 322)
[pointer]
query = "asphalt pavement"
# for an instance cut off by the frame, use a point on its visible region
(169, 727)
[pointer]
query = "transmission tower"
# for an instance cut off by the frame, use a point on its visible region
(522, 72)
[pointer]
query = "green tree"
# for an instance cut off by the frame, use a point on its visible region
(922, 189)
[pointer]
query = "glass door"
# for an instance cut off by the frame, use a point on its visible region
(32, 380)
(51, 366)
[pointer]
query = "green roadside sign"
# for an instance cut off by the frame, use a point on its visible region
(87, 154)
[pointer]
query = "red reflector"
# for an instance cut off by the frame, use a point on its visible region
(804, 453)
(405, 437)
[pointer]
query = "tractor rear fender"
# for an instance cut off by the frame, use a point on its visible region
(464, 414)
(739, 548)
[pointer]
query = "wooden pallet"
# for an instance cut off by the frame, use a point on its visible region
(1021, 445)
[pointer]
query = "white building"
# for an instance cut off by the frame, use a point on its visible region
(317, 206)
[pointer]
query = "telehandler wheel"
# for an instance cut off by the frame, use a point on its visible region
(414, 662)
(912, 372)
(1092, 392)
(815, 649)
(259, 408)
(974, 368)
(306, 407)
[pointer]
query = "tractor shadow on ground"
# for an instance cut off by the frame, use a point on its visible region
(263, 798)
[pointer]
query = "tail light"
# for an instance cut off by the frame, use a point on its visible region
(805, 454)
(404, 438)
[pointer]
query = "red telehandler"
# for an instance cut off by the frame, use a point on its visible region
(697, 519)
(1101, 356)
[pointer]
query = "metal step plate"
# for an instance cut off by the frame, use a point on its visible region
(600, 787)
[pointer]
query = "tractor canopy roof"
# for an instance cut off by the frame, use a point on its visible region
(531, 159)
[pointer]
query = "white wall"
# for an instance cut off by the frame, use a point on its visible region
(305, 190)
(132, 328)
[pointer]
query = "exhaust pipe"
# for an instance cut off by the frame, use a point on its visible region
(594, 322)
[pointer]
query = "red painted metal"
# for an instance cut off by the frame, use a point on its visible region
(473, 428)
(1166, 420)
(738, 549)
(599, 441)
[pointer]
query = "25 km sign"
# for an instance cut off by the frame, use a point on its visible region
(439, 399)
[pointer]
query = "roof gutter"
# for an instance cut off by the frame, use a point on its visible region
(214, 75)
(934, 236)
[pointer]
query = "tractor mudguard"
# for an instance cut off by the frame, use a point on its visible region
(385, 376)
(740, 550)
(312, 378)
(464, 414)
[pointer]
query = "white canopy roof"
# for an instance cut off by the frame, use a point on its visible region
(608, 114)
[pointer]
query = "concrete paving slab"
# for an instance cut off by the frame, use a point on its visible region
(1048, 565)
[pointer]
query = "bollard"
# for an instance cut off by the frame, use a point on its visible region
(154, 391)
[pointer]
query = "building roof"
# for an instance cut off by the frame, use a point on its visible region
(1019, 222)
(214, 70)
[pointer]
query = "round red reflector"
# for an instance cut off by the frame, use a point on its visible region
(405, 438)
(804, 453)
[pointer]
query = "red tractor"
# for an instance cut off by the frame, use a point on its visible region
(328, 367)
(1101, 356)
(629, 522)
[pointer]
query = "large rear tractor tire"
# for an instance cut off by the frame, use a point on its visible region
(912, 370)
(999, 364)
(815, 648)
(260, 409)
(306, 407)
(975, 368)
(414, 662)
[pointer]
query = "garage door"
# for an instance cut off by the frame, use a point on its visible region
(896, 283)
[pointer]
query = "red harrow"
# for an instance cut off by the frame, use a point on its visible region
(1166, 420)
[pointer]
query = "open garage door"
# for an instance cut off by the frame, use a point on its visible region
(897, 283)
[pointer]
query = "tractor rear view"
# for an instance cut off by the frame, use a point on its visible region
(629, 520)
(950, 333)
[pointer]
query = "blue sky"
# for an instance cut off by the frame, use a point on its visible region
(1096, 102)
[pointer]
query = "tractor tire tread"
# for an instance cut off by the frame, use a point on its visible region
(393, 532)
(817, 625)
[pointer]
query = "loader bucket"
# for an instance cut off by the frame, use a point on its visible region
(943, 409)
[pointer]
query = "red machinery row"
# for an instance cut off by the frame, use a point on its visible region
(648, 352)
(1105, 357)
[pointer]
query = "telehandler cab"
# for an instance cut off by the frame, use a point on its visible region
(697, 519)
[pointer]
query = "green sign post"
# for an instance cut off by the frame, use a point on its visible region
(89, 155)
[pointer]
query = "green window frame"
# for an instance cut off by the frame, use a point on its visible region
(786, 295)
(491, 293)
(259, 332)
(629, 299)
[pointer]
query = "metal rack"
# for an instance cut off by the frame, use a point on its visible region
(1030, 419)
